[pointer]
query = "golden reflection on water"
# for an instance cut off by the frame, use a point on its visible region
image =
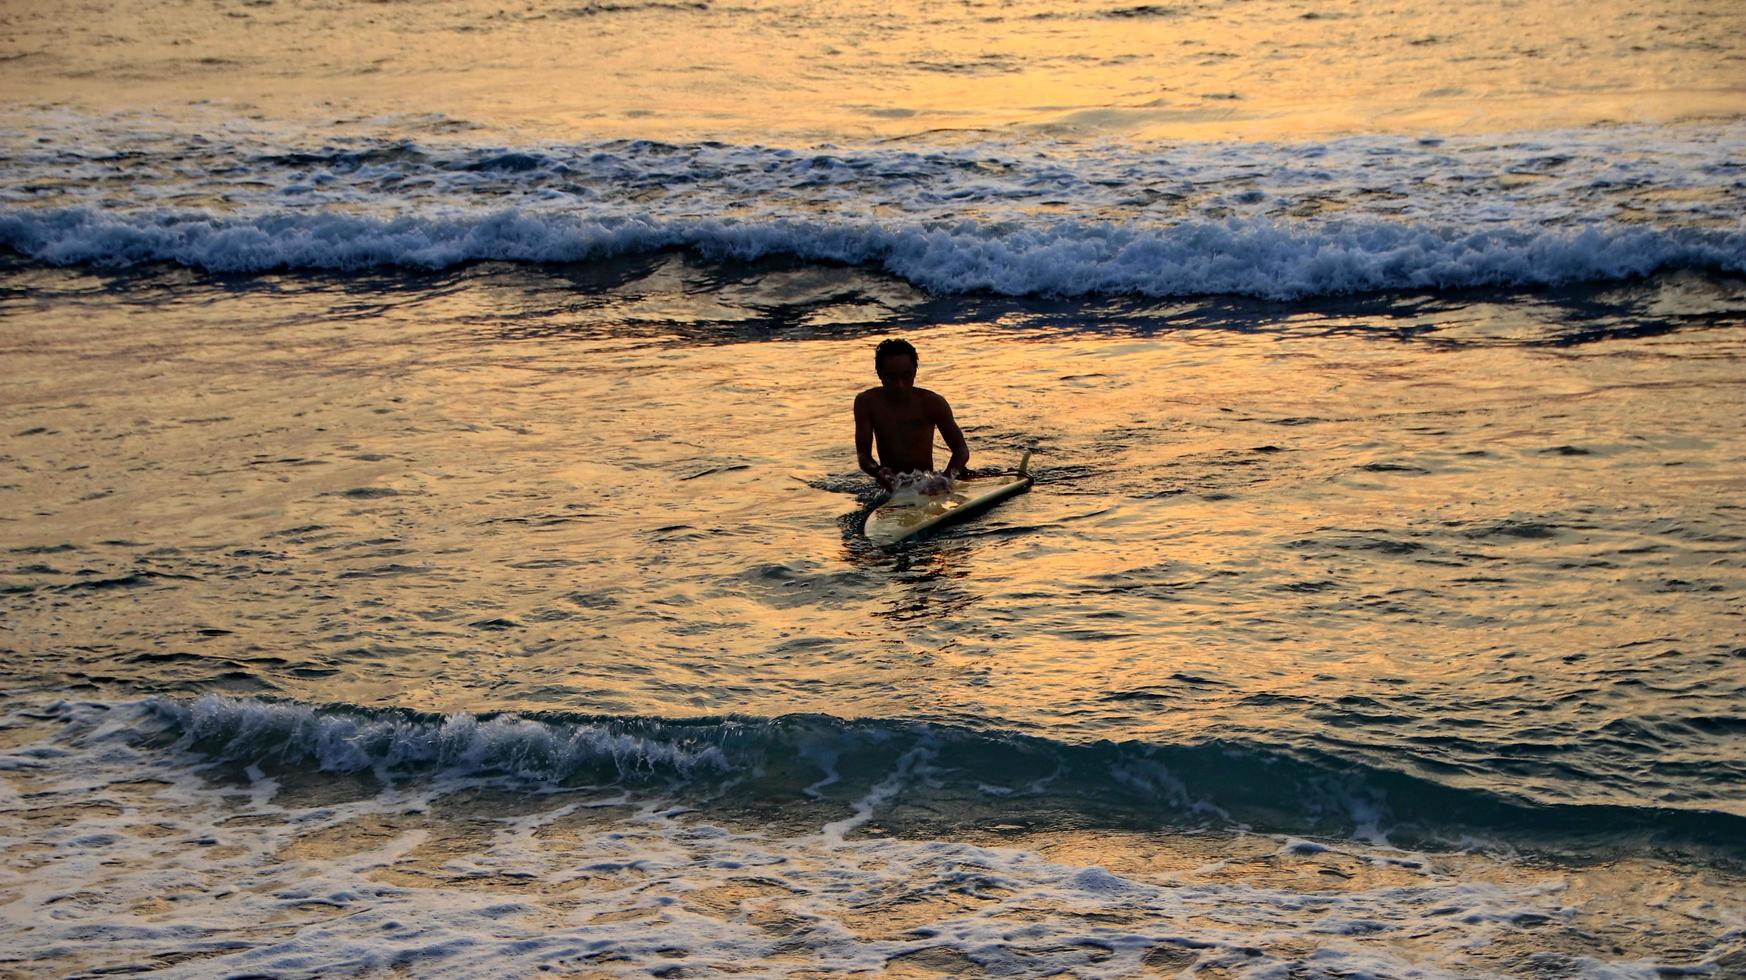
(416, 510)
(787, 72)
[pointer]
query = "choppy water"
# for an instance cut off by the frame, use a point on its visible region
(429, 531)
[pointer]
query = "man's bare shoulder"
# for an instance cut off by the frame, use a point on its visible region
(867, 397)
(933, 400)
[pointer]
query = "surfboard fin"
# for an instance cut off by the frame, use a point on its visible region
(1025, 464)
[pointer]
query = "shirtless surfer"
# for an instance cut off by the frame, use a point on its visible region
(901, 418)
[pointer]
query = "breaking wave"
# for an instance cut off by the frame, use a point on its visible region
(1237, 256)
(1013, 218)
(977, 775)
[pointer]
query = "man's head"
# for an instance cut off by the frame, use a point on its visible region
(895, 360)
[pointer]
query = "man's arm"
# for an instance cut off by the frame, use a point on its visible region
(864, 443)
(954, 439)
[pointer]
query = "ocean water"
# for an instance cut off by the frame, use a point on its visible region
(430, 532)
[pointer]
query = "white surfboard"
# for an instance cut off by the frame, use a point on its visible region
(899, 520)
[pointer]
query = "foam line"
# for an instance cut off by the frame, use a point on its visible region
(1244, 257)
(867, 764)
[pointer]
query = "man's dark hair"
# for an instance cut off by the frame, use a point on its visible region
(893, 348)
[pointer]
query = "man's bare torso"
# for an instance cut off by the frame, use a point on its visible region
(903, 425)
(901, 419)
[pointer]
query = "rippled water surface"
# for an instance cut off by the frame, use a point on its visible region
(430, 537)
(1449, 535)
(1444, 569)
(804, 72)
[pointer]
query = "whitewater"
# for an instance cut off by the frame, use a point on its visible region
(1275, 221)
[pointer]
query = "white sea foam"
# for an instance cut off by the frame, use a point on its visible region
(1273, 220)
(917, 486)
(461, 743)
(131, 859)
(1235, 256)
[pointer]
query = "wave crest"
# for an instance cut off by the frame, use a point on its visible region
(354, 740)
(1240, 257)
(946, 772)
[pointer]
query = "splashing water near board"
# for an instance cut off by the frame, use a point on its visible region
(916, 486)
